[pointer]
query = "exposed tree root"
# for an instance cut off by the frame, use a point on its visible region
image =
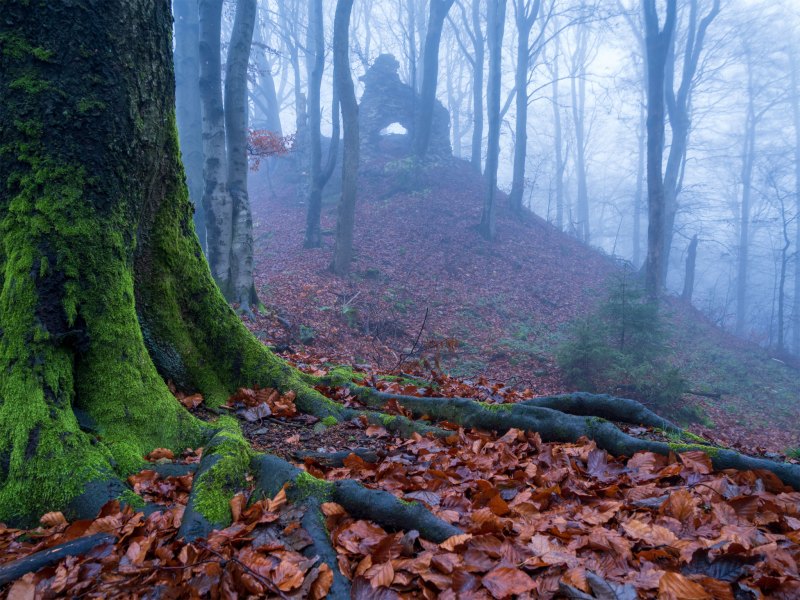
(50, 556)
(622, 410)
(335, 459)
(556, 426)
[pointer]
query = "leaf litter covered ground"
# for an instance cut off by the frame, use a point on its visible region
(505, 305)
(540, 520)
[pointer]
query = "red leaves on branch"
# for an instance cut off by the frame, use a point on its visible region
(262, 143)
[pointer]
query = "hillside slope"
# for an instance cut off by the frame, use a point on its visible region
(497, 310)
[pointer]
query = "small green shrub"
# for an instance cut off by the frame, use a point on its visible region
(621, 349)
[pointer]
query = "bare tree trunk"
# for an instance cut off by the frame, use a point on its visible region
(496, 24)
(657, 42)
(637, 200)
(216, 199)
(187, 103)
(243, 288)
(557, 138)
(525, 16)
(782, 281)
(343, 249)
(748, 160)
(477, 86)
(679, 109)
(265, 87)
(795, 76)
(317, 178)
(578, 97)
(688, 280)
(430, 75)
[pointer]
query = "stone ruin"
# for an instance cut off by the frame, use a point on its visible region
(387, 100)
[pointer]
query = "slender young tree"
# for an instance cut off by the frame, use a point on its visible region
(187, 101)
(263, 92)
(691, 263)
(746, 177)
(794, 67)
(577, 80)
(657, 40)
(318, 176)
(496, 20)
(471, 24)
(343, 248)
(679, 104)
(216, 199)
(430, 75)
(525, 14)
(242, 288)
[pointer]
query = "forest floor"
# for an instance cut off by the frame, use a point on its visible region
(427, 289)
(540, 520)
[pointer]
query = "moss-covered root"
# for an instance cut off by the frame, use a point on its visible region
(222, 472)
(623, 410)
(335, 459)
(272, 474)
(555, 426)
(50, 556)
(382, 507)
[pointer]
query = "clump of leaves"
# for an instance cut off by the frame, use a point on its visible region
(622, 349)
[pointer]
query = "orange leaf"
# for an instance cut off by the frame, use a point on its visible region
(503, 582)
(330, 509)
(53, 519)
(160, 453)
(278, 501)
(23, 589)
(674, 586)
(237, 503)
(287, 576)
(697, 461)
(450, 543)
(322, 584)
(383, 576)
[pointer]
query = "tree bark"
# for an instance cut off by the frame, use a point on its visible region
(496, 23)
(242, 288)
(748, 161)
(317, 176)
(679, 108)
(343, 249)
(188, 109)
(268, 116)
(112, 294)
(794, 67)
(657, 42)
(526, 14)
(430, 75)
(216, 199)
(578, 97)
(688, 279)
(477, 86)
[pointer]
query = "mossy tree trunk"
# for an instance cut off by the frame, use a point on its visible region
(104, 290)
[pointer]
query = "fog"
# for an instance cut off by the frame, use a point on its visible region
(730, 157)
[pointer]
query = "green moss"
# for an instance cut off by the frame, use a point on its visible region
(388, 420)
(329, 421)
(342, 375)
(30, 84)
(497, 407)
(307, 486)
(679, 448)
(129, 498)
(90, 105)
(17, 47)
(215, 487)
